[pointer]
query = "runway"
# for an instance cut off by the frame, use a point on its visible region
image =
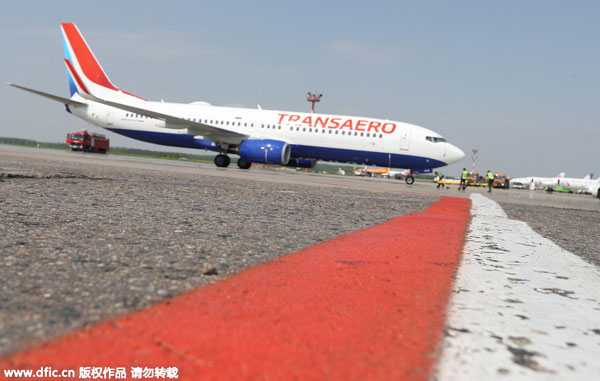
(90, 237)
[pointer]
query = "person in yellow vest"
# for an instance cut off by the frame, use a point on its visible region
(463, 179)
(490, 179)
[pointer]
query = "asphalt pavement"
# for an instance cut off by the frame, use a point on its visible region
(85, 237)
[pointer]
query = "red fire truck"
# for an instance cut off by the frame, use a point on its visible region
(86, 142)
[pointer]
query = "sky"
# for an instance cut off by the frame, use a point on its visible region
(517, 80)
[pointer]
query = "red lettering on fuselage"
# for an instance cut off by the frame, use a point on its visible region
(392, 126)
(360, 124)
(333, 123)
(322, 121)
(374, 125)
(281, 116)
(347, 123)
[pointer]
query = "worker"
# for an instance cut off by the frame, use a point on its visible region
(463, 179)
(440, 177)
(490, 179)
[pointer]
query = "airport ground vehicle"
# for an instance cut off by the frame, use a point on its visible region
(472, 178)
(86, 142)
(501, 181)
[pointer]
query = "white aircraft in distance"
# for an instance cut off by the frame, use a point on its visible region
(257, 136)
(538, 182)
(587, 184)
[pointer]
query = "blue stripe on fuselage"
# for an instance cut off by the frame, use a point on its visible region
(298, 151)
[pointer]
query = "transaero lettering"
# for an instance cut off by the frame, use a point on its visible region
(338, 123)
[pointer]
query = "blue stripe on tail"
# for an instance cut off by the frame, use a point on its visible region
(72, 87)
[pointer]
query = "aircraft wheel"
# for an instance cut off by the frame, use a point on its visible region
(409, 180)
(244, 164)
(222, 160)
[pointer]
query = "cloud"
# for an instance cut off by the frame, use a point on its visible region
(365, 52)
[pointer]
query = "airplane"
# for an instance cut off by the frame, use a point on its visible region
(586, 185)
(537, 182)
(595, 189)
(286, 138)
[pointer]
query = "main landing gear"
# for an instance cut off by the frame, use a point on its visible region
(243, 164)
(222, 160)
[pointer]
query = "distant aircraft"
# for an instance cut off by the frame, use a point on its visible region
(538, 182)
(587, 184)
(257, 136)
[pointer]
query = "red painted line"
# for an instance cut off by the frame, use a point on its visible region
(366, 305)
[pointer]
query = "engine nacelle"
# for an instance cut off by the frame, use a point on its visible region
(265, 151)
(302, 163)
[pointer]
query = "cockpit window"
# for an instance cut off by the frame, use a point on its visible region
(435, 139)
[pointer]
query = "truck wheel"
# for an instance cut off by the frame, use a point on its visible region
(409, 180)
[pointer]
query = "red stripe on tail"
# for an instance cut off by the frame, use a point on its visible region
(74, 73)
(90, 66)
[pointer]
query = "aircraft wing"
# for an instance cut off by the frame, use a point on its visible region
(50, 96)
(207, 132)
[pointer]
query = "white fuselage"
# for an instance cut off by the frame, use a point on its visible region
(309, 134)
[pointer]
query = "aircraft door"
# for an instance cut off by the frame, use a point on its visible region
(108, 115)
(404, 139)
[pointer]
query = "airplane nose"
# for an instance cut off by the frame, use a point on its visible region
(454, 154)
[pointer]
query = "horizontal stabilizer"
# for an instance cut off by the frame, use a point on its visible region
(50, 96)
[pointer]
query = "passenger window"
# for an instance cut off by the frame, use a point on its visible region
(362, 134)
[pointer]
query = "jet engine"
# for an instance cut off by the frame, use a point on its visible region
(265, 151)
(302, 163)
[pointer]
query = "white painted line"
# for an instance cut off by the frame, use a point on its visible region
(522, 307)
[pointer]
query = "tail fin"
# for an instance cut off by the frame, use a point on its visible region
(86, 76)
(589, 176)
(560, 175)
